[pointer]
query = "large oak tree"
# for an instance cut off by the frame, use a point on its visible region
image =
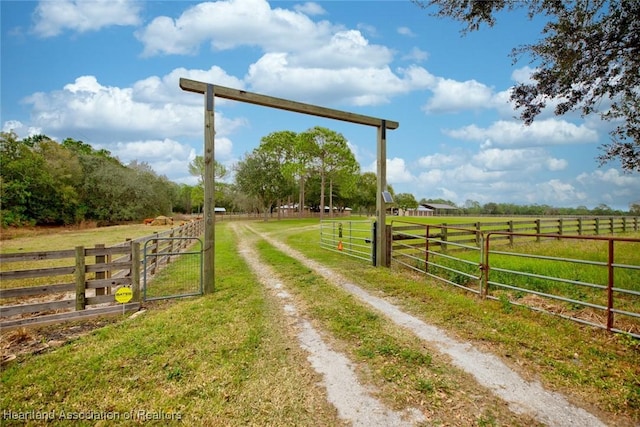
(588, 61)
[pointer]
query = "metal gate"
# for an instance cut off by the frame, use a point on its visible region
(352, 238)
(172, 268)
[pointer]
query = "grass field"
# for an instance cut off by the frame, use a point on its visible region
(228, 359)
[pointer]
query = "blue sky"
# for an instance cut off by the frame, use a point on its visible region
(107, 72)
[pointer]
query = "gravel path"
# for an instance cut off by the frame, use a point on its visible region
(522, 396)
(352, 400)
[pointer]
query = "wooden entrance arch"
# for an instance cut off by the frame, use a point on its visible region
(210, 91)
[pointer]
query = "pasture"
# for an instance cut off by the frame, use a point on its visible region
(228, 358)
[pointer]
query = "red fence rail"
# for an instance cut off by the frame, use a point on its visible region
(599, 287)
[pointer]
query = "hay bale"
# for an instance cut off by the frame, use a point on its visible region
(162, 220)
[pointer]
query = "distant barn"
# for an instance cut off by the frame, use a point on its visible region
(431, 209)
(440, 208)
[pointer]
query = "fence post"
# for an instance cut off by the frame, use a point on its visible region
(374, 250)
(484, 281)
(135, 270)
(538, 229)
(388, 237)
(610, 262)
(478, 230)
(443, 237)
(611, 225)
(624, 224)
(579, 226)
(154, 251)
(101, 259)
(80, 278)
(426, 249)
(172, 248)
(560, 227)
(510, 223)
(597, 230)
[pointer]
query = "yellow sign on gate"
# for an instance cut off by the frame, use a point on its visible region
(124, 295)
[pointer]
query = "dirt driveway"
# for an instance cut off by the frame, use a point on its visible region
(353, 400)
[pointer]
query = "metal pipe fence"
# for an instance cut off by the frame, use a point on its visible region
(351, 238)
(594, 280)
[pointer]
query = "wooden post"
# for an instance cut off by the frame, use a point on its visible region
(538, 229)
(560, 227)
(209, 191)
(580, 226)
(135, 270)
(80, 279)
(510, 223)
(389, 243)
(154, 259)
(381, 207)
(443, 237)
(101, 259)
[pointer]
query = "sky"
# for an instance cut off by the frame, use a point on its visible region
(107, 72)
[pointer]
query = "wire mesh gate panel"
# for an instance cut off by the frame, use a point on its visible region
(352, 238)
(172, 268)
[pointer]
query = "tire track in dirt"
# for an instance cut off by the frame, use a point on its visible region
(523, 397)
(351, 399)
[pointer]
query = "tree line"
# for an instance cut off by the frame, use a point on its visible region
(43, 182)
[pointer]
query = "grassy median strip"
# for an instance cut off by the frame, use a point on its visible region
(222, 359)
(589, 364)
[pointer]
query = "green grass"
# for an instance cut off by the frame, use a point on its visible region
(589, 364)
(229, 358)
(222, 359)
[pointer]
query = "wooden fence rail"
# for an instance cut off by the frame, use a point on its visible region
(83, 286)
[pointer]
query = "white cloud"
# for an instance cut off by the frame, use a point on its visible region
(611, 177)
(166, 88)
(523, 160)
(310, 8)
(344, 49)
(274, 74)
(20, 129)
(554, 164)
(438, 160)
(557, 193)
(52, 17)
(450, 95)
(228, 24)
(541, 132)
(145, 110)
(303, 60)
(166, 157)
(416, 54)
(430, 178)
(397, 171)
(406, 31)
(523, 75)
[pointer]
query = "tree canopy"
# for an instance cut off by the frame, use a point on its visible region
(44, 182)
(587, 61)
